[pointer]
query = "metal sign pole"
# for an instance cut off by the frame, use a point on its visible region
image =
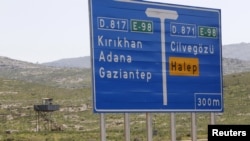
(103, 129)
(212, 116)
(127, 126)
(149, 126)
(194, 134)
(173, 130)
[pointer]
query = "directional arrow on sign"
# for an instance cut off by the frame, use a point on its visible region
(163, 15)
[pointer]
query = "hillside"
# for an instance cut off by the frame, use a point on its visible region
(79, 62)
(52, 76)
(239, 51)
(231, 66)
(24, 84)
(77, 121)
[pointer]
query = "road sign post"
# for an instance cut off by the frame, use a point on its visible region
(155, 57)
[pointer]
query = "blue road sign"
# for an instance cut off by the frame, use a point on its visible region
(155, 57)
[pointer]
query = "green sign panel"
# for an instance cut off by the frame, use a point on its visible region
(141, 26)
(210, 32)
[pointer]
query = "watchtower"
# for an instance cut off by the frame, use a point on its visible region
(44, 112)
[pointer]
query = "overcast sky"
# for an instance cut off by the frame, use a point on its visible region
(41, 31)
